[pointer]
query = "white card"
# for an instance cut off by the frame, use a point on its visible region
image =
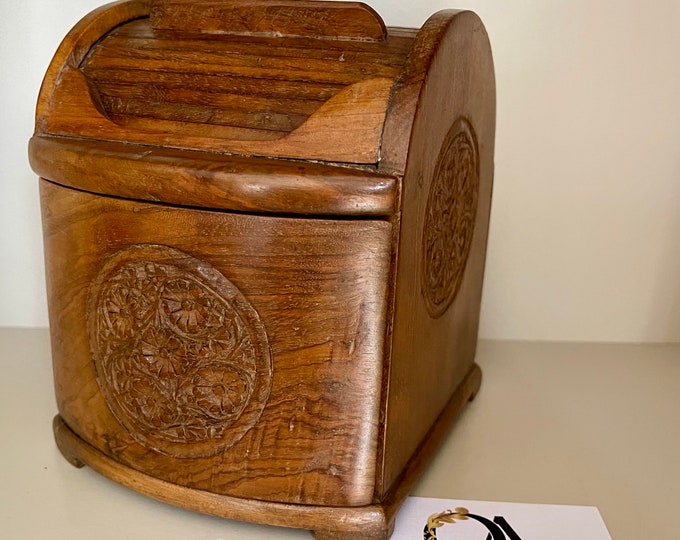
(496, 521)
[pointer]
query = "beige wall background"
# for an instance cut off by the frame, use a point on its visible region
(585, 231)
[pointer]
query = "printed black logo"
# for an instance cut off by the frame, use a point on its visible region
(498, 528)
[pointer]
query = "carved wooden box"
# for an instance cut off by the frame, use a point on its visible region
(265, 227)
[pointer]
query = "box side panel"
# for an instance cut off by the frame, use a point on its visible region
(236, 354)
(442, 246)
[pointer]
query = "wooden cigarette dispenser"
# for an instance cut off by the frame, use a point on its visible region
(265, 227)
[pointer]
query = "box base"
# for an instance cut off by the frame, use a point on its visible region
(373, 522)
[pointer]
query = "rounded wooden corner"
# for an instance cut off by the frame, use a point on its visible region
(372, 522)
(62, 437)
(78, 42)
(456, 35)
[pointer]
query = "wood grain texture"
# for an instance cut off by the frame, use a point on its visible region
(181, 356)
(78, 43)
(371, 522)
(317, 287)
(213, 181)
(135, 46)
(353, 520)
(330, 20)
(248, 94)
(455, 94)
(265, 227)
(408, 88)
(346, 128)
(397, 39)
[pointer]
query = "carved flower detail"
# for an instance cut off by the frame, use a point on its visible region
(450, 218)
(153, 403)
(163, 353)
(124, 310)
(180, 354)
(188, 306)
(219, 392)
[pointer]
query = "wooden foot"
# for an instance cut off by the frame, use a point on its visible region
(373, 522)
(330, 535)
(66, 450)
(476, 382)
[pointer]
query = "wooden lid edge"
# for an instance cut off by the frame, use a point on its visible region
(212, 181)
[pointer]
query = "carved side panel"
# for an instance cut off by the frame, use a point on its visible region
(450, 218)
(181, 356)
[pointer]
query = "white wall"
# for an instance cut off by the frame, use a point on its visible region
(585, 232)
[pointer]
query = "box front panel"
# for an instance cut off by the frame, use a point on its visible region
(232, 353)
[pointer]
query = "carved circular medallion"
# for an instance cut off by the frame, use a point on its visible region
(450, 217)
(181, 356)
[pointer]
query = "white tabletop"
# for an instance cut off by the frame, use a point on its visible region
(553, 423)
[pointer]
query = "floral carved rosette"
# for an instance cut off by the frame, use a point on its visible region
(450, 218)
(181, 356)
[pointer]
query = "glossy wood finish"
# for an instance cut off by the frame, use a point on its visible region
(78, 43)
(294, 97)
(265, 235)
(331, 20)
(213, 181)
(448, 339)
(318, 287)
(329, 134)
(371, 522)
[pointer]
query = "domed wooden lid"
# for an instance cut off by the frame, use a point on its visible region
(288, 79)
(142, 89)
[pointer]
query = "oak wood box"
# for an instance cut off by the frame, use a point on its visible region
(265, 226)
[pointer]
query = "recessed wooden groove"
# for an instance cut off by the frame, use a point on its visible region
(273, 88)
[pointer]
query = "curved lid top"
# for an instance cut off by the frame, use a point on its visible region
(275, 78)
